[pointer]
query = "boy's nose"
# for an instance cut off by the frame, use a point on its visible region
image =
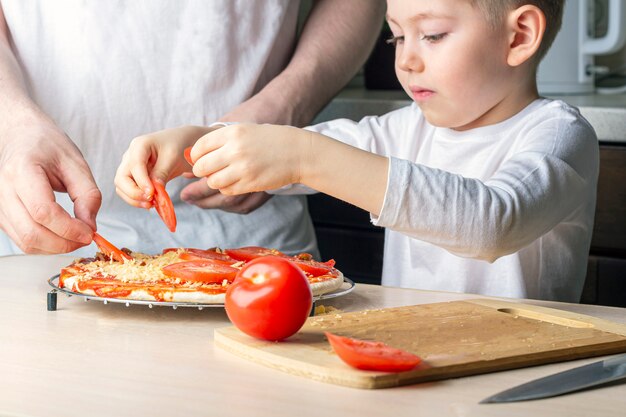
(408, 59)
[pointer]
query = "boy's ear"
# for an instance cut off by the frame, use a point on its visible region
(525, 28)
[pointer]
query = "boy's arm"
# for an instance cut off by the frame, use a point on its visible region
(244, 158)
(37, 158)
(532, 192)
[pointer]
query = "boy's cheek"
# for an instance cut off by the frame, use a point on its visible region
(403, 78)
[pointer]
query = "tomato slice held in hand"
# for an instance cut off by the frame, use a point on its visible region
(109, 249)
(249, 253)
(187, 155)
(270, 299)
(206, 271)
(372, 356)
(163, 205)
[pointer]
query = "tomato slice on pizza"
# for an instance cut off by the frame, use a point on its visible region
(178, 274)
(213, 254)
(205, 270)
(249, 253)
(315, 268)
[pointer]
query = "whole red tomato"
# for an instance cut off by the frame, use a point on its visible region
(270, 298)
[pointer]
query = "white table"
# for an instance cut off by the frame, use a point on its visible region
(91, 359)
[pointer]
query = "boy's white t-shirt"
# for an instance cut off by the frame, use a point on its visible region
(107, 71)
(502, 210)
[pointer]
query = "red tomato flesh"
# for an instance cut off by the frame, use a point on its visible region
(187, 155)
(372, 356)
(316, 268)
(205, 270)
(109, 249)
(249, 253)
(270, 298)
(191, 253)
(163, 205)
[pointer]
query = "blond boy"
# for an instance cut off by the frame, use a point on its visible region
(483, 186)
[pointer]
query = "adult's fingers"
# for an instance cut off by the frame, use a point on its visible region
(200, 195)
(30, 236)
(87, 198)
(72, 175)
(197, 191)
(36, 195)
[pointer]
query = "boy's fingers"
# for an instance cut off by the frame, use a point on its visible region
(128, 187)
(131, 201)
(210, 142)
(167, 166)
(136, 161)
(221, 179)
(209, 164)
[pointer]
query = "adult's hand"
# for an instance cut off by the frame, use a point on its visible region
(37, 158)
(199, 194)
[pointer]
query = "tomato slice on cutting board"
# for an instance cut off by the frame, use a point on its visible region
(205, 270)
(163, 205)
(109, 249)
(372, 356)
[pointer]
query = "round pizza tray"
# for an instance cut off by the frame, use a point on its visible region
(346, 287)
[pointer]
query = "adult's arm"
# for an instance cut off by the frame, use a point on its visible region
(336, 39)
(37, 158)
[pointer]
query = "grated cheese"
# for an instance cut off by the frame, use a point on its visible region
(143, 268)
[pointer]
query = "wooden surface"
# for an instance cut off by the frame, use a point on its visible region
(456, 338)
(90, 359)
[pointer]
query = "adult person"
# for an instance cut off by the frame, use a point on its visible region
(79, 80)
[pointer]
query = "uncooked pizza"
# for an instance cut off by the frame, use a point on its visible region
(179, 274)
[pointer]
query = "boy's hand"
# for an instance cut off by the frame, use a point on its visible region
(243, 158)
(158, 156)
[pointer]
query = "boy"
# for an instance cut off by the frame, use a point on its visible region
(483, 186)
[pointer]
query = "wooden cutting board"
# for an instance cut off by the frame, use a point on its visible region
(454, 339)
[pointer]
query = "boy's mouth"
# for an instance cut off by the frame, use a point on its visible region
(421, 94)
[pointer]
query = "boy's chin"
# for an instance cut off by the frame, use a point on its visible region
(438, 120)
(442, 119)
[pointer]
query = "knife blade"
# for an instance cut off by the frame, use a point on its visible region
(575, 379)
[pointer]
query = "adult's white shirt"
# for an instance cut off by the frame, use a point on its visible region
(107, 71)
(503, 210)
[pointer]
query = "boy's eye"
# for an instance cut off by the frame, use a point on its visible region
(434, 38)
(395, 40)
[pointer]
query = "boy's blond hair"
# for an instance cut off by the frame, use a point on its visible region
(496, 10)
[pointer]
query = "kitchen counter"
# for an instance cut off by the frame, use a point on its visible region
(92, 359)
(606, 113)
